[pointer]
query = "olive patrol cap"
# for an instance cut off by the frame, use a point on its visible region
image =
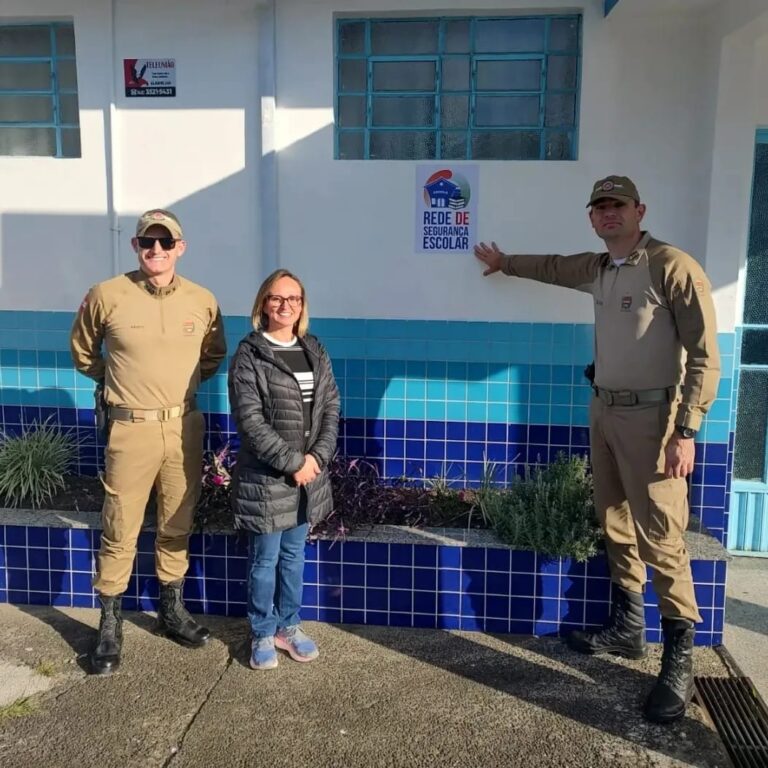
(163, 218)
(616, 188)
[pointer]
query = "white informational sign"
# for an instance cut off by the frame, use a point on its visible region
(149, 77)
(446, 207)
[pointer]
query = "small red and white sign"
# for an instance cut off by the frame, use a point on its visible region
(150, 77)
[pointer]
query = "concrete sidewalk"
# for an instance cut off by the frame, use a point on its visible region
(375, 697)
(746, 618)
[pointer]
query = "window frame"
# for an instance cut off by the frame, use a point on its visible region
(54, 91)
(471, 92)
(742, 367)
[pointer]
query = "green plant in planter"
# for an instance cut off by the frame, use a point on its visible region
(33, 464)
(549, 509)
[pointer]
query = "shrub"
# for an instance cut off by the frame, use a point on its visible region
(34, 463)
(548, 510)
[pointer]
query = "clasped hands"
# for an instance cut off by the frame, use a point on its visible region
(308, 472)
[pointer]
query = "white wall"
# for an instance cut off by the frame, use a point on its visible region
(198, 154)
(670, 95)
(742, 107)
(642, 91)
(54, 223)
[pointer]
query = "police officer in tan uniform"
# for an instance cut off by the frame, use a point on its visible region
(652, 303)
(162, 335)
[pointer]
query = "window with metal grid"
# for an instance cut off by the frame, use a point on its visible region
(750, 461)
(39, 113)
(457, 88)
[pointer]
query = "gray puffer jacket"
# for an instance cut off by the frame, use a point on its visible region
(267, 408)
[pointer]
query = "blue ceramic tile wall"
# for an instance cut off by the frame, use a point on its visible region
(423, 585)
(419, 398)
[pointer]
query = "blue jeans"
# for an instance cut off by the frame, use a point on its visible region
(275, 579)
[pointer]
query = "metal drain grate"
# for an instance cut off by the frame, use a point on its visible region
(740, 716)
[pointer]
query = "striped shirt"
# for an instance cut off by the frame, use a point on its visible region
(294, 356)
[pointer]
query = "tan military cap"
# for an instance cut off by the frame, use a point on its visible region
(614, 187)
(163, 218)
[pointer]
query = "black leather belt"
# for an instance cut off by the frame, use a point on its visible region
(640, 397)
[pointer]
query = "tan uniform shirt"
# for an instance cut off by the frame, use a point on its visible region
(160, 342)
(647, 311)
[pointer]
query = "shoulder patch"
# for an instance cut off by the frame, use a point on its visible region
(698, 285)
(83, 303)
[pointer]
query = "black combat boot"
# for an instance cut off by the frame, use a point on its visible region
(174, 620)
(625, 632)
(105, 657)
(674, 686)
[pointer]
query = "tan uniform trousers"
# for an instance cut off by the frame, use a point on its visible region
(168, 455)
(642, 512)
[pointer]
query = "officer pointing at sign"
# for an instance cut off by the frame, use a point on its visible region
(652, 303)
(162, 335)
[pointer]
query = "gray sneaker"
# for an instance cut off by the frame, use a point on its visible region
(299, 645)
(263, 654)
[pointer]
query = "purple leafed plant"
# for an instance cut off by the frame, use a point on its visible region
(213, 509)
(362, 498)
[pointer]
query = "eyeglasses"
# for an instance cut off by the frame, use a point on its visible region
(278, 301)
(166, 243)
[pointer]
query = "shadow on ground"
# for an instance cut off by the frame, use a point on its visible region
(604, 693)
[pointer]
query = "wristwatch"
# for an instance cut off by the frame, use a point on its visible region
(685, 432)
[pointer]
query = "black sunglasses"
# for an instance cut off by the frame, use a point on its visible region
(166, 243)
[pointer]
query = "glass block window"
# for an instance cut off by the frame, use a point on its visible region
(750, 462)
(749, 453)
(457, 88)
(39, 113)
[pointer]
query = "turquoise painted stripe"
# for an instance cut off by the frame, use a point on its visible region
(403, 369)
(417, 340)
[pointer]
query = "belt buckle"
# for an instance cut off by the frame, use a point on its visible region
(165, 414)
(630, 398)
(608, 396)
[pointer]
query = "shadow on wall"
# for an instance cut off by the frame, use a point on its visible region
(63, 281)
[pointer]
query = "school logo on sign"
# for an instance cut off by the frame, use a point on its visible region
(446, 209)
(447, 189)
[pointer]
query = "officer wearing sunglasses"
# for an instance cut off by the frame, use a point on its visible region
(150, 336)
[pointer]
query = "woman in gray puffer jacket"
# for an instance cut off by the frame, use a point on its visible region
(285, 403)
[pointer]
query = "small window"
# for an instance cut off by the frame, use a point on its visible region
(39, 112)
(457, 88)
